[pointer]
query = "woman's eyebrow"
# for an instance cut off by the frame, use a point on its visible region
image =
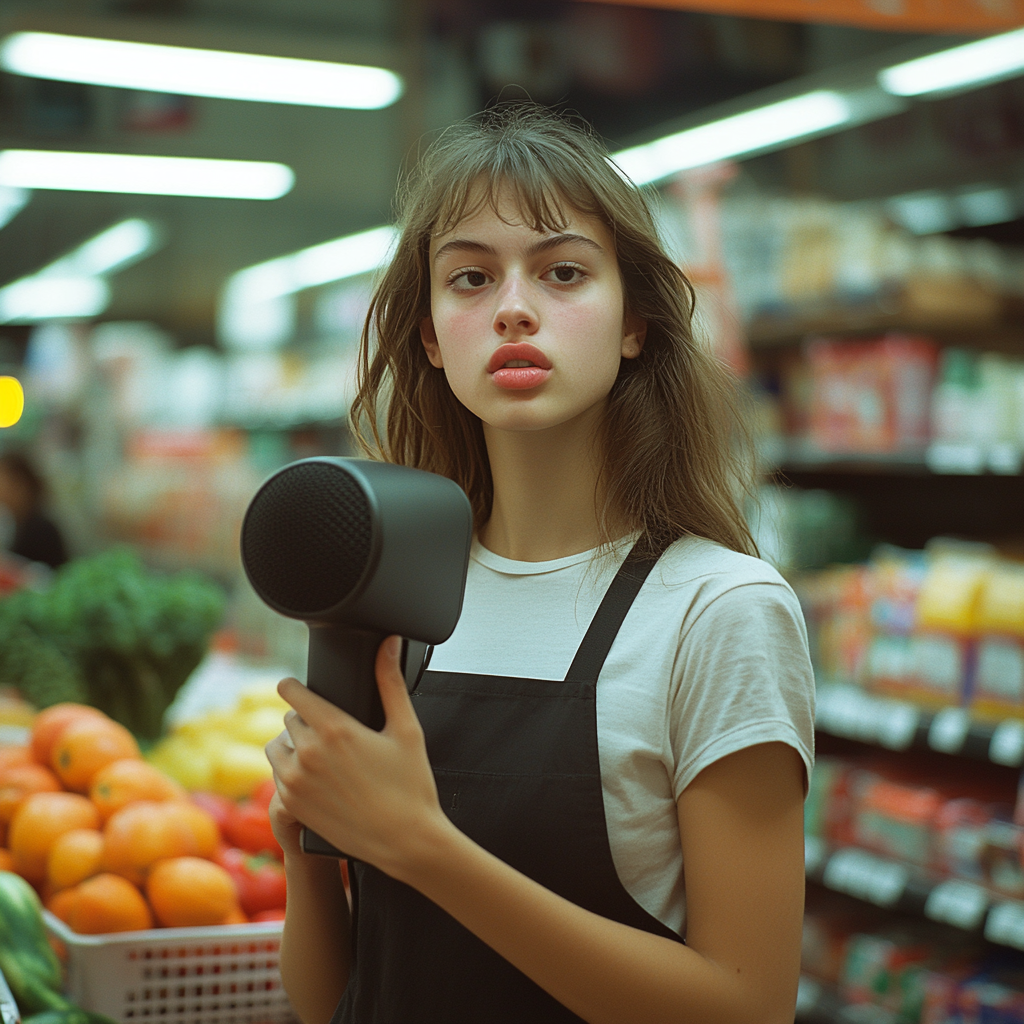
(543, 245)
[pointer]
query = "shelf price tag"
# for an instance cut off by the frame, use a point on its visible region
(866, 877)
(897, 725)
(956, 902)
(1005, 925)
(1007, 744)
(948, 730)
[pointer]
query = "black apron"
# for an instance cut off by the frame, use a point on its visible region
(517, 769)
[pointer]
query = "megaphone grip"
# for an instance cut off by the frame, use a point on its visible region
(341, 670)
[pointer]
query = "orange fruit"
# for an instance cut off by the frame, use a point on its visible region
(61, 902)
(74, 857)
(20, 781)
(6, 860)
(87, 745)
(141, 833)
(123, 782)
(236, 916)
(49, 724)
(187, 892)
(38, 822)
(12, 755)
(108, 903)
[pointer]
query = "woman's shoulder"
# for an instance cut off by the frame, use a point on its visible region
(704, 564)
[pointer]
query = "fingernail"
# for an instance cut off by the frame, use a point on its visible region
(394, 646)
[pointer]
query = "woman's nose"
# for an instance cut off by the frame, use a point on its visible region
(515, 313)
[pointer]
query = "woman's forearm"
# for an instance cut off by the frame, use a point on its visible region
(604, 971)
(316, 943)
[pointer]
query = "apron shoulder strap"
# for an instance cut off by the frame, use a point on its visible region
(615, 605)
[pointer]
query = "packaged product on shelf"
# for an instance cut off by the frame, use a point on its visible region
(889, 970)
(836, 606)
(898, 820)
(895, 582)
(945, 626)
(871, 396)
(998, 689)
(977, 413)
(976, 840)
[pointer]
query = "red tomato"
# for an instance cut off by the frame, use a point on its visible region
(218, 807)
(264, 793)
(260, 881)
(248, 827)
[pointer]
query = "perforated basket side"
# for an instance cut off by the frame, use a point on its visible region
(226, 975)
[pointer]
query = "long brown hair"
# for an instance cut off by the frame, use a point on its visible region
(671, 464)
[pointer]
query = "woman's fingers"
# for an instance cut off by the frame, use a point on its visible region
(391, 683)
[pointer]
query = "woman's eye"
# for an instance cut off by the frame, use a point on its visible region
(469, 279)
(566, 274)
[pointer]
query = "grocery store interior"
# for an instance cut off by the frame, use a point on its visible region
(843, 183)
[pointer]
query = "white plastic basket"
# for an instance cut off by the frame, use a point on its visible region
(222, 975)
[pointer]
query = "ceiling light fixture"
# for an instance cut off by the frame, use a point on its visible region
(12, 201)
(111, 250)
(148, 175)
(74, 286)
(195, 72)
(255, 308)
(962, 67)
(742, 134)
(43, 297)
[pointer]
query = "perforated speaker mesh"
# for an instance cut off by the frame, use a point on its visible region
(306, 538)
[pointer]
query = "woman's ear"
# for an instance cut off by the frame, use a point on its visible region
(429, 338)
(633, 339)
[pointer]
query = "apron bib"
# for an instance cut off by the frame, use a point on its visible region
(517, 769)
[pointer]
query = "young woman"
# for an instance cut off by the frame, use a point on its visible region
(591, 806)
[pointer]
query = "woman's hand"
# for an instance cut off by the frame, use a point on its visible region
(371, 794)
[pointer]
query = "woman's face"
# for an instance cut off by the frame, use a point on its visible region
(528, 326)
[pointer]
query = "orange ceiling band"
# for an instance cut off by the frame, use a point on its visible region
(966, 16)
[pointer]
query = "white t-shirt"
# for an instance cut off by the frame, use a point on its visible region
(711, 658)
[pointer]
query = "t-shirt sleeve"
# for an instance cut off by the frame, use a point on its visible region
(743, 677)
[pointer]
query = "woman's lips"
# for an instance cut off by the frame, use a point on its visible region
(518, 377)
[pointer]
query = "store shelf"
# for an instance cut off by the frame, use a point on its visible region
(939, 459)
(818, 1003)
(900, 887)
(850, 713)
(998, 330)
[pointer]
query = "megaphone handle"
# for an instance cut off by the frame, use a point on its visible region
(341, 670)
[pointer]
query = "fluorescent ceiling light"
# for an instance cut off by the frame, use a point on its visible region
(749, 132)
(255, 308)
(183, 70)
(982, 206)
(44, 297)
(319, 264)
(111, 250)
(73, 287)
(974, 64)
(12, 200)
(149, 175)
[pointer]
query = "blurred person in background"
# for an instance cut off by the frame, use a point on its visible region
(22, 493)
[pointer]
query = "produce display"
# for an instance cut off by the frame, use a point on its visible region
(111, 843)
(111, 634)
(221, 751)
(27, 961)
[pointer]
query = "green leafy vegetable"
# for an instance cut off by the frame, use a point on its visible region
(110, 633)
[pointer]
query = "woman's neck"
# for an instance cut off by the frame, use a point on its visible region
(546, 495)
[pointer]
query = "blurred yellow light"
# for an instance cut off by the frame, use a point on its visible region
(12, 401)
